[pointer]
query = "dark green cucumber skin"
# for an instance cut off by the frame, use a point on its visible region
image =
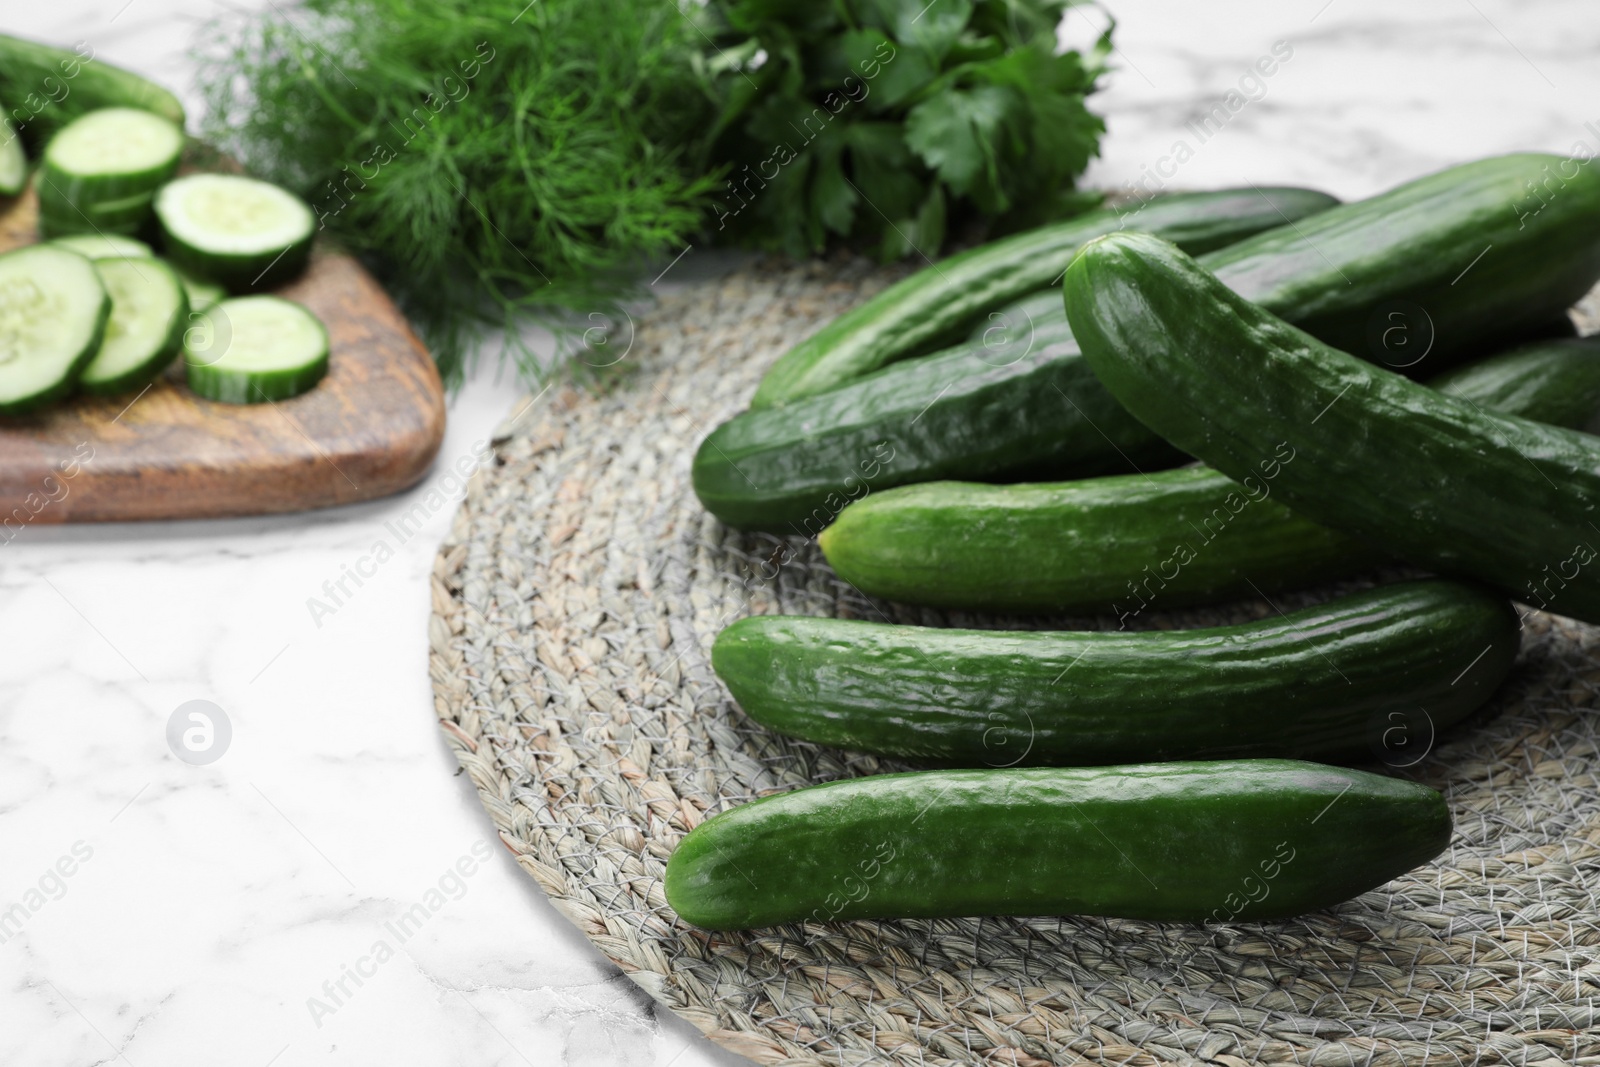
(1186, 842)
(1164, 539)
(1438, 481)
(1324, 683)
(937, 306)
(90, 83)
(1367, 272)
(791, 470)
(253, 273)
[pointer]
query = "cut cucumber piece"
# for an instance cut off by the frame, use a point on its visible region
(53, 310)
(148, 312)
(105, 246)
(243, 233)
(255, 348)
(112, 154)
(59, 216)
(13, 160)
(203, 295)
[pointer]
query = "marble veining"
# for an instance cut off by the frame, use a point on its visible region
(233, 912)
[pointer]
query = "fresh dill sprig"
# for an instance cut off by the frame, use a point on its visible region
(492, 160)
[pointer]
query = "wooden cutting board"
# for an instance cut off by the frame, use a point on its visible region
(370, 428)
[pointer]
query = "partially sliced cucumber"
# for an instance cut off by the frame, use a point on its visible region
(13, 160)
(255, 348)
(149, 310)
(53, 310)
(111, 154)
(59, 216)
(203, 295)
(105, 246)
(243, 233)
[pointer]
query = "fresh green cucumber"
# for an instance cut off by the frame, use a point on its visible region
(1186, 842)
(149, 310)
(1165, 539)
(13, 160)
(104, 246)
(61, 217)
(254, 349)
(936, 306)
(792, 469)
(44, 88)
(786, 470)
(239, 232)
(53, 310)
(1328, 682)
(1437, 480)
(111, 154)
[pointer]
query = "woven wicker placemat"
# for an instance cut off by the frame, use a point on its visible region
(574, 605)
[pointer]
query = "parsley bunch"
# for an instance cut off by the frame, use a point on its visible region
(884, 121)
(492, 160)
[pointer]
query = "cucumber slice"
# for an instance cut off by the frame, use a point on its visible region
(13, 161)
(111, 154)
(243, 233)
(255, 348)
(53, 310)
(105, 246)
(59, 216)
(203, 295)
(148, 312)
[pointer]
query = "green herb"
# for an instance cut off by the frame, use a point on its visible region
(887, 120)
(491, 159)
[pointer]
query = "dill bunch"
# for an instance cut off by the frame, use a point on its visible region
(492, 160)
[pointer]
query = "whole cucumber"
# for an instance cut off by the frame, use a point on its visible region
(1437, 480)
(1375, 261)
(937, 306)
(44, 88)
(1331, 682)
(1185, 842)
(1168, 538)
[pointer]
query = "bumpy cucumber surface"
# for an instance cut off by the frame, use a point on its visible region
(44, 87)
(793, 469)
(1364, 275)
(1329, 683)
(1188, 842)
(938, 305)
(1161, 540)
(1437, 480)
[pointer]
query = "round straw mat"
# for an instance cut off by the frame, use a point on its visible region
(574, 606)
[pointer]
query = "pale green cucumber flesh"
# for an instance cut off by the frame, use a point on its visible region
(149, 311)
(53, 311)
(255, 349)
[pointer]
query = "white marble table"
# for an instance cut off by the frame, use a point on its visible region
(212, 913)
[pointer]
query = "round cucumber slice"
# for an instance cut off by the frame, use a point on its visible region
(13, 161)
(243, 233)
(112, 153)
(53, 310)
(149, 310)
(255, 348)
(105, 246)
